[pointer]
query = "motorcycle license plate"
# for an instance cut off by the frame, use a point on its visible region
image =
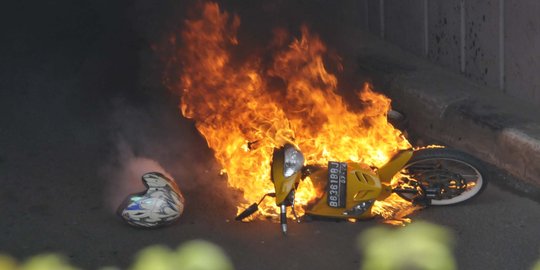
(337, 184)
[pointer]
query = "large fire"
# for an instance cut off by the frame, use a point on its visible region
(243, 116)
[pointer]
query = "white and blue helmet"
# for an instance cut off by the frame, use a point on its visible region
(161, 204)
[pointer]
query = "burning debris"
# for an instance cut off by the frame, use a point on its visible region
(244, 118)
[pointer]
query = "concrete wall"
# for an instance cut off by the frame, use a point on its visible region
(406, 24)
(494, 42)
(522, 49)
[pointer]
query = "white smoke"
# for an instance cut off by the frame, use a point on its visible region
(124, 175)
(152, 138)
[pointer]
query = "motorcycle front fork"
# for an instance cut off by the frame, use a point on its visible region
(283, 217)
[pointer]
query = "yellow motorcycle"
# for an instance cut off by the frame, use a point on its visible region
(345, 190)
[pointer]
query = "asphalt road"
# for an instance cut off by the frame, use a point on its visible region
(82, 100)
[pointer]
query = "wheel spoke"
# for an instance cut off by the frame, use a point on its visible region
(449, 175)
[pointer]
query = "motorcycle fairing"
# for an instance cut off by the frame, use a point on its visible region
(283, 185)
(362, 185)
(388, 170)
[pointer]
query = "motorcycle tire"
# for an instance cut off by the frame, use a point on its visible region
(398, 119)
(452, 163)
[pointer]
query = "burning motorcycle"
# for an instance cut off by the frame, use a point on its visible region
(345, 190)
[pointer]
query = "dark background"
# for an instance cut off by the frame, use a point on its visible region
(82, 99)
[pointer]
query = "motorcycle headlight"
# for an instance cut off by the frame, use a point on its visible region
(294, 160)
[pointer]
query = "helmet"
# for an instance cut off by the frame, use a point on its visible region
(161, 204)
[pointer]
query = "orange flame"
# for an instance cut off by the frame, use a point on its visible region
(243, 117)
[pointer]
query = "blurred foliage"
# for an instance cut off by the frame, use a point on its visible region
(419, 246)
(47, 262)
(192, 255)
(39, 262)
(7, 263)
(536, 265)
(201, 255)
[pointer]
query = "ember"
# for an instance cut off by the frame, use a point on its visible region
(243, 117)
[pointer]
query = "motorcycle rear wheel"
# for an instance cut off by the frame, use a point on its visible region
(458, 175)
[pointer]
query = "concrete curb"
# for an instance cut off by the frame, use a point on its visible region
(456, 111)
